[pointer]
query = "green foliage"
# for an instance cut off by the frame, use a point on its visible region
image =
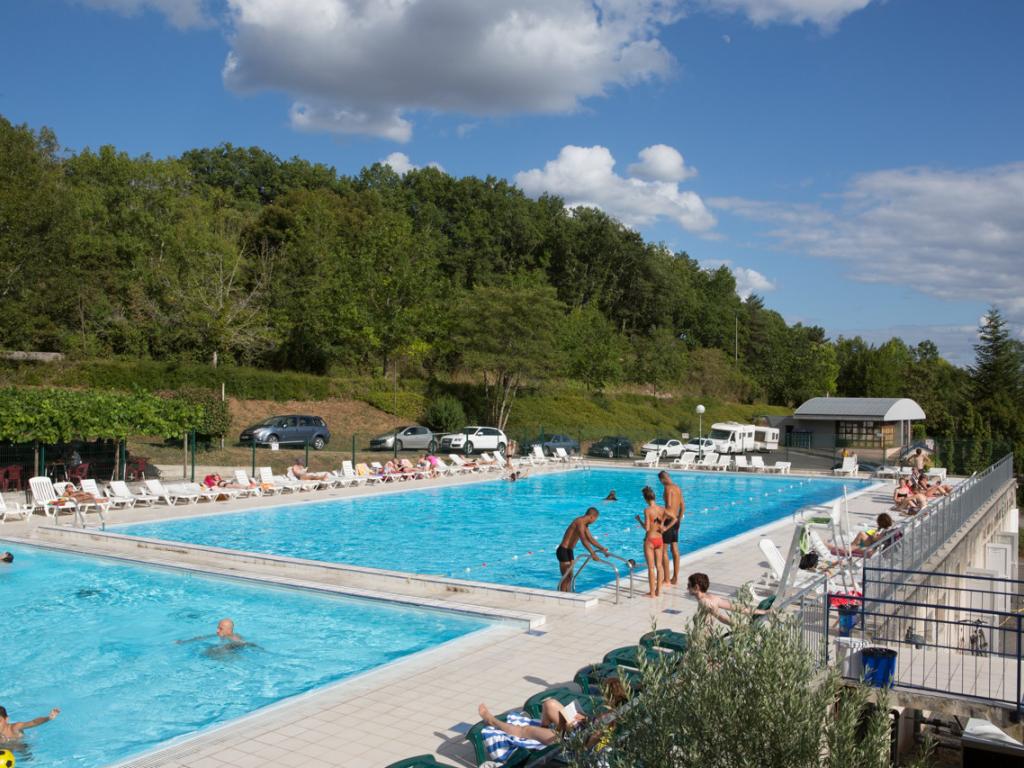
(410, 405)
(445, 414)
(756, 701)
(591, 349)
(216, 416)
(61, 415)
(658, 359)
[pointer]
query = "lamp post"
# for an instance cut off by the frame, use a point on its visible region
(700, 430)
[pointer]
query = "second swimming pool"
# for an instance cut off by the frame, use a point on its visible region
(499, 531)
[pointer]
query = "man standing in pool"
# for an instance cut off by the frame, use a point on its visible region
(675, 506)
(578, 531)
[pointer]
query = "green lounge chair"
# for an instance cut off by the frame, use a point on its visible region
(629, 655)
(666, 639)
(591, 677)
(420, 761)
(519, 757)
(585, 702)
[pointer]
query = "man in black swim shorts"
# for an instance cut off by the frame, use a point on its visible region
(578, 531)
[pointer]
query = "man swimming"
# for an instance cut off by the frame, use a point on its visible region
(675, 506)
(13, 731)
(6, 557)
(226, 632)
(578, 531)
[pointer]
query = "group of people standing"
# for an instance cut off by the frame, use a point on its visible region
(661, 537)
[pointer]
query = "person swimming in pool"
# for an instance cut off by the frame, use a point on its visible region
(14, 731)
(611, 496)
(6, 557)
(230, 640)
(653, 523)
(578, 531)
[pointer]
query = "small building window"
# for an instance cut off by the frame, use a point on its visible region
(865, 434)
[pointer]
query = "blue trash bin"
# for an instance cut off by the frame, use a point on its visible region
(879, 666)
(847, 619)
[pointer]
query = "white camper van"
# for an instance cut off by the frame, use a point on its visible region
(732, 437)
(766, 439)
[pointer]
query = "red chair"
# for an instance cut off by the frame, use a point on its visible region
(76, 474)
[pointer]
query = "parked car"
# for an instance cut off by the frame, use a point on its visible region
(472, 439)
(413, 438)
(666, 447)
(700, 445)
(612, 448)
(288, 430)
(551, 442)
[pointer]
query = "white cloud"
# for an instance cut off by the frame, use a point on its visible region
(363, 66)
(726, 39)
(826, 14)
(661, 162)
(181, 13)
(401, 164)
(954, 235)
(750, 281)
(586, 176)
(462, 130)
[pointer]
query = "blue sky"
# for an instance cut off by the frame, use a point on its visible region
(858, 163)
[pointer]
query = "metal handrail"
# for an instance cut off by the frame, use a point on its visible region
(630, 565)
(589, 559)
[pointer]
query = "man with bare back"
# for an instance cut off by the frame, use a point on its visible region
(578, 531)
(675, 506)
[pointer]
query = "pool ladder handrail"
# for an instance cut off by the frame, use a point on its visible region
(590, 558)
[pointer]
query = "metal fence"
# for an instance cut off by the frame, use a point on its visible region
(952, 634)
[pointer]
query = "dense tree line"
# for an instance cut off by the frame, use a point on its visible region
(231, 254)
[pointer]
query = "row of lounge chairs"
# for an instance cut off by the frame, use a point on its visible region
(716, 462)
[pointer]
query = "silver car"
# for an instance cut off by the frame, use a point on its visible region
(411, 438)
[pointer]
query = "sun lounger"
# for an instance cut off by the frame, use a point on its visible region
(741, 465)
(537, 456)
(650, 459)
(200, 491)
(304, 485)
(685, 461)
(45, 498)
(419, 761)
(459, 462)
(487, 463)
(937, 473)
(348, 474)
(849, 467)
(120, 488)
(249, 487)
(363, 470)
(629, 656)
(777, 566)
(13, 510)
(593, 676)
(782, 467)
(709, 461)
(568, 458)
(116, 500)
(169, 495)
(666, 639)
(100, 504)
(493, 744)
(724, 462)
(757, 464)
(282, 484)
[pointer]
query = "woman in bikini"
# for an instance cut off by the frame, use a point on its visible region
(653, 525)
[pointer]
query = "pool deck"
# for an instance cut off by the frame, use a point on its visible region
(425, 703)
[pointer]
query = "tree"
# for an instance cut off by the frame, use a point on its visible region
(996, 376)
(592, 350)
(658, 358)
(507, 335)
(885, 374)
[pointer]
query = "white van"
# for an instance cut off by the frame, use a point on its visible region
(766, 439)
(732, 437)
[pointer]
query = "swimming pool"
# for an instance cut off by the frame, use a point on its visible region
(498, 531)
(97, 638)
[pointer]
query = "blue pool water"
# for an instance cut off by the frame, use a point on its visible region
(97, 639)
(499, 531)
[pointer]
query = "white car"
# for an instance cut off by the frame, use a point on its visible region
(472, 439)
(666, 447)
(700, 445)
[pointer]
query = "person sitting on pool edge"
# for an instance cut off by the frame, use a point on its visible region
(698, 584)
(13, 731)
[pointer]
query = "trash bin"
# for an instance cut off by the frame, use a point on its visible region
(847, 619)
(879, 666)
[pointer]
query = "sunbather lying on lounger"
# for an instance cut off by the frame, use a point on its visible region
(77, 496)
(932, 490)
(864, 539)
(555, 721)
(302, 472)
(216, 481)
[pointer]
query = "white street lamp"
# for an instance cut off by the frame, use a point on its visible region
(700, 430)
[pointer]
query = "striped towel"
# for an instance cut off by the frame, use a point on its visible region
(499, 745)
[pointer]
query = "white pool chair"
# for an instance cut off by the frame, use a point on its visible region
(200, 491)
(462, 466)
(777, 566)
(569, 458)
(757, 464)
(685, 461)
(348, 474)
(249, 486)
(650, 459)
(741, 464)
(12, 510)
(116, 500)
(170, 495)
(708, 462)
(849, 468)
(304, 485)
(45, 498)
(282, 484)
(537, 456)
(937, 473)
(120, 489)
(724, 462)
(782, 467)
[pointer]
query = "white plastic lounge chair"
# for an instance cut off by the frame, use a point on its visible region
(13, 510)
(170, 495)
(559, 456)
(349, 475)
(44, 498)
(937, 473)
(537, 456)
(650, 459)
(782, 467)
(724, 462)
(364, 471)
(267, 477)
(120, 489)
(849, 468)
(247, 489)
(116, 501)
(741, 463)
(777, 565)
(304, 485)
(200, 491)
(458, 461)
(685, 461)
(757, 464)
(709, 461)
(569, 458)
(489, 462)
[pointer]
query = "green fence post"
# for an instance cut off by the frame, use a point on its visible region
(394, 443)
(253, 475)
(41, 469)
(192, 444)
(307, 451)
(123, 468)
(353, 449)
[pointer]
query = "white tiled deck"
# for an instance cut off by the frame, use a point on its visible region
(424, 703)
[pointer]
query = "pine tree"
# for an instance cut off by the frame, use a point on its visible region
(996, 376)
